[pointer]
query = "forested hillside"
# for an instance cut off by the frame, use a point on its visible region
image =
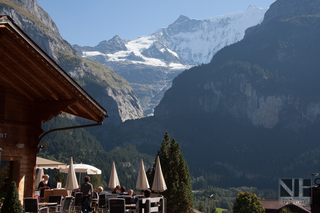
(85, 148)
(251, 116)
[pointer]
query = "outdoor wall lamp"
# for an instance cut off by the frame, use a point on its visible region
(20, 145)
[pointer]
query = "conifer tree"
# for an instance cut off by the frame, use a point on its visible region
(214, 209)
(59, 178)
(177, 176)
(12, 203)
(200, 206)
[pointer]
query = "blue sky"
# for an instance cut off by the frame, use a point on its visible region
(87, 23)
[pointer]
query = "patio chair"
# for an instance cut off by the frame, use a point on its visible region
(31, 204)
(128, 199)
(102, 203)
(55, 199)
(66, 205)
(77, 202)
(116, 205)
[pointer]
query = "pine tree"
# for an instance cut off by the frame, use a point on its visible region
(12, 203)
(59, 177)
(214, 209)
(200, 206)
(177, 176)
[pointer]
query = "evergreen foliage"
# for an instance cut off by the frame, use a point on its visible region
(176, 174)
(200, 206)
(85, 148)
(213, 209)
(59, 177)
(12, 203)
(247, 202)
(285, 210)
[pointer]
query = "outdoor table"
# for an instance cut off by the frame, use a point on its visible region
(131, 207)
(47, 192)
(61, 191)
(47, 204)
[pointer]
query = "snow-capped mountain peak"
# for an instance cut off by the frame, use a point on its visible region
(150, 62)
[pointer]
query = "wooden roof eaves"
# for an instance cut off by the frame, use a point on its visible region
(7, 21)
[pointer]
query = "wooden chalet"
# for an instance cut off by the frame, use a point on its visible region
(276, 206)
(33, 89)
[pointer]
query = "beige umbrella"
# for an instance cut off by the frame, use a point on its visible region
(142, 181)
(71, 182)
(159, 184)
(49, 164)
(39, 177)
(114, 180)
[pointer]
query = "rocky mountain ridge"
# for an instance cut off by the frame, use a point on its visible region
(151, 62)
(115, 93)
(256, 103)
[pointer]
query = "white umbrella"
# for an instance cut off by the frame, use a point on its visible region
(39, 177)
(114, 180)
(83, 168)
(159, 184)
(142, 181)
(71, 182)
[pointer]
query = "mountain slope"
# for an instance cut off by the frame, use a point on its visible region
(251, 115)
(150, 63)
(115, 93)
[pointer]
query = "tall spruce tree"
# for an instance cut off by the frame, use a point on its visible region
(177, 176)
(12, 203)
(200, 206)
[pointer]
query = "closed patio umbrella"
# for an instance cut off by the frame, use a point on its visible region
(114, 180)
(142, 181)
(39, 177)
(71, 182)
(159, 184)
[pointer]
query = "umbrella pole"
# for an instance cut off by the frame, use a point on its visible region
(79, 178)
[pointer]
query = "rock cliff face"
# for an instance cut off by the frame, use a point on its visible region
(268, 78)
(256, 103)
(112, 91)
(245, 101)
(150, 63)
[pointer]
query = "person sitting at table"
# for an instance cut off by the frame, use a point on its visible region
(123, 191)
(44, 184)
(87, 193)
(146, 193)
(95, 194)
(130, 199)
(100, 191)
(130, 192)
(116, 190)
(73, 193)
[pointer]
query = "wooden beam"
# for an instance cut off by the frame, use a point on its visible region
(36, 88)
(18, 85)
(46, 70)
(44, 111)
